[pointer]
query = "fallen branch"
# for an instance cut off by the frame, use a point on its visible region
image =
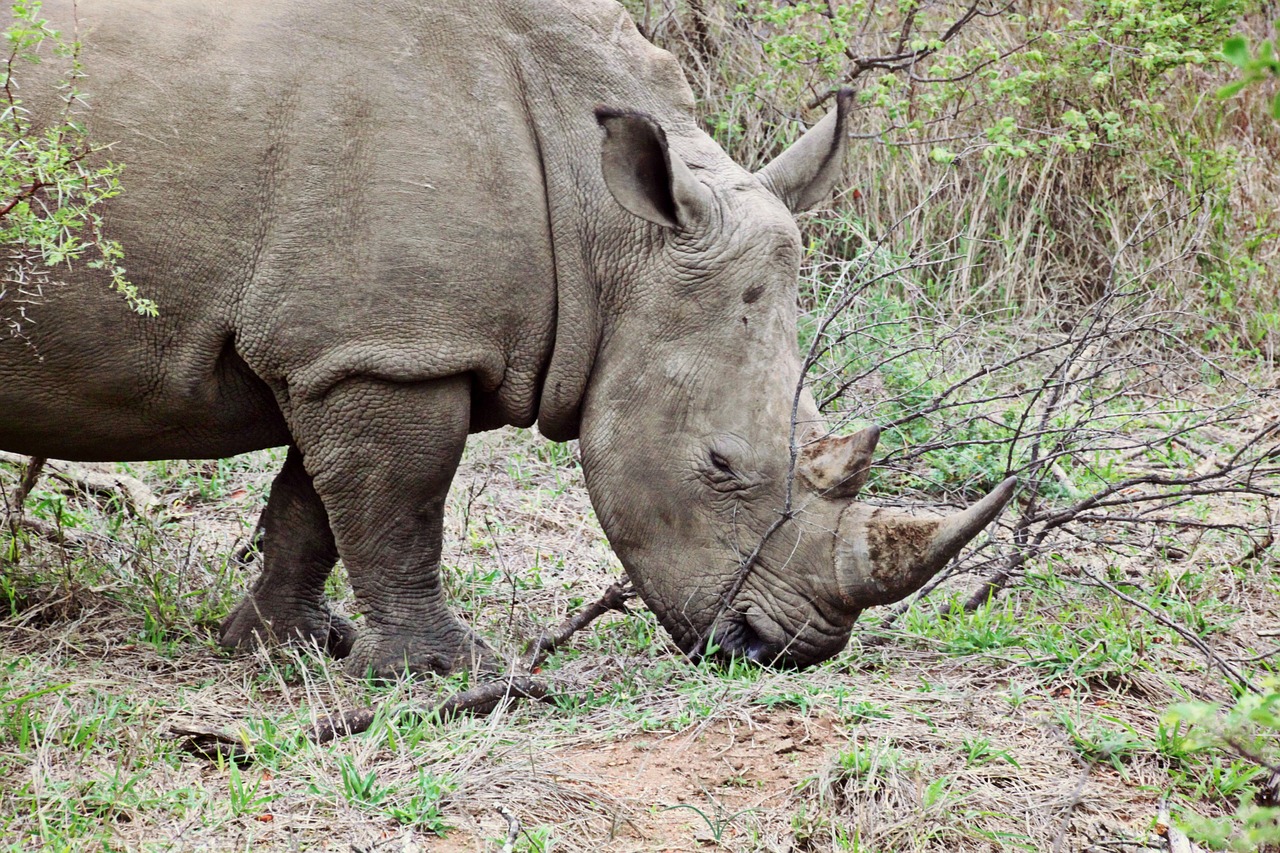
(50, 532)
(212, 744)
(479, 700)
(614, 598)
(217, 745)
(484, 698)
(136, 494)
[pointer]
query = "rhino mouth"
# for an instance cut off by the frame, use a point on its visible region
(751, 635)
(737, 638)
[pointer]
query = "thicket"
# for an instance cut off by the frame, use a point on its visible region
(1055, 257)
(1009, 148)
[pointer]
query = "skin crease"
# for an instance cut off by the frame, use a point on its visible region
(373, 230)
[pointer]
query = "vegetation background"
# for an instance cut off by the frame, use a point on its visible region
(1055, 256)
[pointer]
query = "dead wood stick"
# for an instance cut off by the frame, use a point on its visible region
(13, 504)
(614, 598)
(30, 475)
(1268, 795)
(484, 698)
(513, 829)
(1176, 838)
(479, 700)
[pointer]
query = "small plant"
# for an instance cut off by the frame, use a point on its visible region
(539, 839)
(361, 789)
(423, 807)
(718, 822)
(979, 751)
(51, 188)
(1099, 743)
(1249, 728)
(246, 794)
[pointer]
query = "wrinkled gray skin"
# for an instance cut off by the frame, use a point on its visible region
(372, 229)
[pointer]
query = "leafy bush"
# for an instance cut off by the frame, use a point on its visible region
(1011, 152)
(1250, 728)
(51, 185)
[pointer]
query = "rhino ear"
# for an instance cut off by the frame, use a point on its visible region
(642, 174)
(804, 174)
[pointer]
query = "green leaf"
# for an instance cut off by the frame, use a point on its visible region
(1231, 89)
(1236, 51)
(1275, 107)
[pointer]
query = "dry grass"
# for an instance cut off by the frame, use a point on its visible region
(972, 733)
(1031, 234)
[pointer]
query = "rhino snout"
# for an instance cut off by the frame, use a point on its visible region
(752, 634)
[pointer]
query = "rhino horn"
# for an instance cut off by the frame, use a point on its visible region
(883, 556)
(837, 467)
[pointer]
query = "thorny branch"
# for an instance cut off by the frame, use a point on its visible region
(902, 59)
(1109, 451)
(1237, 678)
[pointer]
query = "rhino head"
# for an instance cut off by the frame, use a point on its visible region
(731, 509)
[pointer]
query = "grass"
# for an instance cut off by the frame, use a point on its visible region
(987, 730)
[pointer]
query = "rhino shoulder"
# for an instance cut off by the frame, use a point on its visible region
(605, 28)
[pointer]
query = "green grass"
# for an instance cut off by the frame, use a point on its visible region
(949, 734)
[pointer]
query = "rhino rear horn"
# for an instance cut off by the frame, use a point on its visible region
(837, 467)
(883, 556)
(643, 174)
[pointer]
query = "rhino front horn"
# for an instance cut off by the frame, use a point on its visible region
(883, 556)
(838, 467)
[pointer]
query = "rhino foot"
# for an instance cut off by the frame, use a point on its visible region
(387, 654)
(253, 623)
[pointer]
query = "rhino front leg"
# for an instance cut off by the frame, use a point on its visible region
(382, 456)
(287, 601)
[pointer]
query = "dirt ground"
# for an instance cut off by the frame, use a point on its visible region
(957, 734)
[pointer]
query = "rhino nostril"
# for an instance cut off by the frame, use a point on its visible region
(756, 645)
(757, 652)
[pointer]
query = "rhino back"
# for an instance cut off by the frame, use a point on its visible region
(314, 191)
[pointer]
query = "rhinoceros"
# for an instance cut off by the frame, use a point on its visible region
(373, 229)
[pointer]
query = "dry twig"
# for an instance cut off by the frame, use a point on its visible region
(513, 829)
(484, 698)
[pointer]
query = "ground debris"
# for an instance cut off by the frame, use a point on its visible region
(484, 698)
(212, 744)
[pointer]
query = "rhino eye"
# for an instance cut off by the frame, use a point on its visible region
(720, 474)
(721, 464)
